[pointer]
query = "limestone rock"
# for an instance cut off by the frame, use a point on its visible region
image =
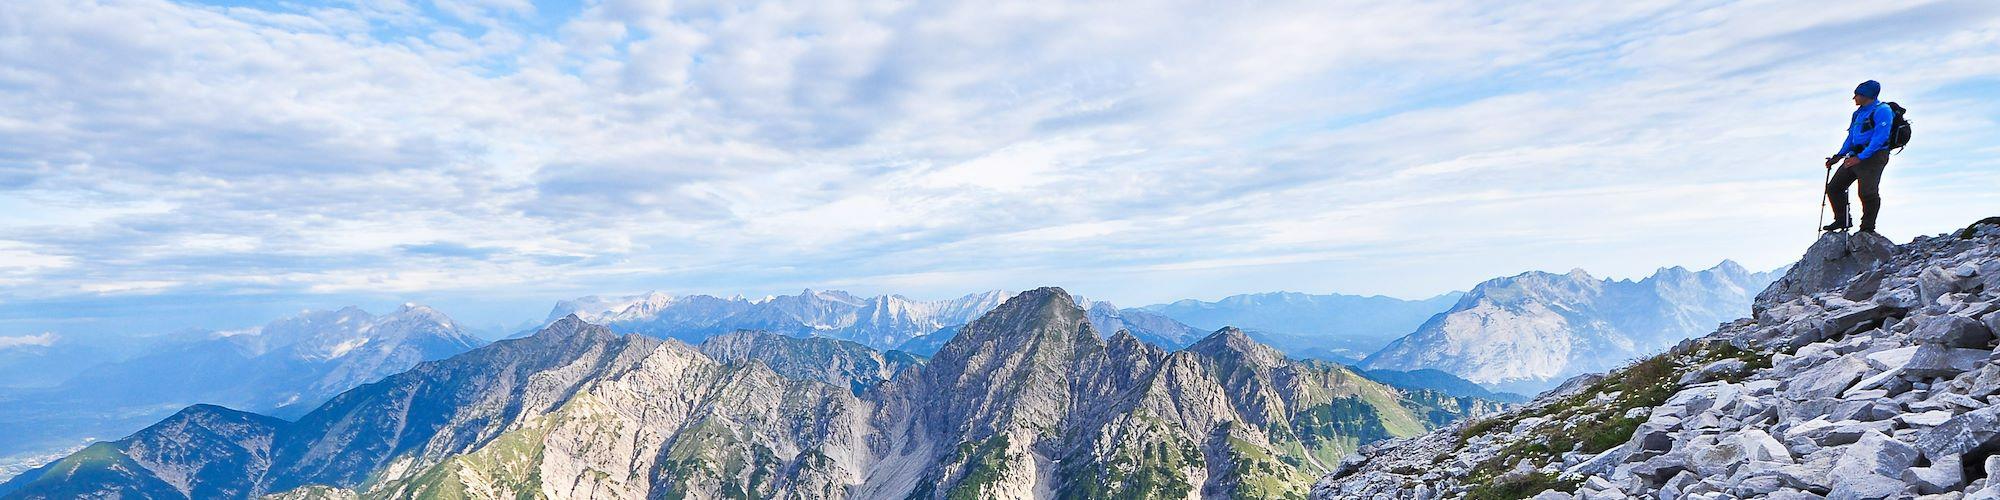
(1828, 379)
(1880, 385)
(1953, 331)
(1961, 434)
(1937, 360)
(1830, 262)
(1943, 475)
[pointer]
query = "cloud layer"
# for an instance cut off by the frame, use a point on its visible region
(44, 339)
(499, 150)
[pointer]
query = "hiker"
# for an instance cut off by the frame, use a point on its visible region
(1861, 158)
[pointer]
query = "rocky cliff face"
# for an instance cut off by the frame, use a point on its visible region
(1030, 401)
(1526, 333)
(1869, 372)
(837, 362)
(1026, 402)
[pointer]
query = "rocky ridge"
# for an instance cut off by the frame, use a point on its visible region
(836, 362)
(1028, 401)
(1867, 372)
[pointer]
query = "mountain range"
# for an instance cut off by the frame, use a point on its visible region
(1335, 327)
(881, 322)
(1526, 332)
(1027, 400)
(283, 368)
(286, 367)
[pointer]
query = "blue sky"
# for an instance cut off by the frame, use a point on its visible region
(168, 165)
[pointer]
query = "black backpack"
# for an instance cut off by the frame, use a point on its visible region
(1899, 132)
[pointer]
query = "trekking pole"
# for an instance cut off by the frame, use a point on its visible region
(1822, 200)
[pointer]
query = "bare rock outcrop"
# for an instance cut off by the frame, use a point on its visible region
(1869, 372)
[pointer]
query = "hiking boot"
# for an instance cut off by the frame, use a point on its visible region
(1837, 226)
(1867, 229)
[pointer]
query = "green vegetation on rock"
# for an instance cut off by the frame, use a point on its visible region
(1259, 474)
(1151, 461)
(1593, 420)
(507, 467)
(710, 454)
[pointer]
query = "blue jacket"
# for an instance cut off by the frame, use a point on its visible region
(1863, 141)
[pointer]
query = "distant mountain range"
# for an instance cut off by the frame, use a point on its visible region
(284, 368)
(45, 360)
(1334, 327)
(1527, 332)
(1508, 336)
(881, 322)
(1028, 399)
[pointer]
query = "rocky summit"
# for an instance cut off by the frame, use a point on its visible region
(1028, 401)
(1867, 372)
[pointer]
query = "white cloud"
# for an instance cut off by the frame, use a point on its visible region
(44, 339)
(1186, 149)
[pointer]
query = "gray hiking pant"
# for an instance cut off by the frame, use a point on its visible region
(1869, 174)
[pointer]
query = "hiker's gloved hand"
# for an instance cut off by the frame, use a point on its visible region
(1830, 160)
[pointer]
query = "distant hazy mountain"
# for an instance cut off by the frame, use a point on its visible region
(882, 322)
(1146, 325)
(1028, 400)
(1331, 326)
(283, 368)
(44, 360)
(1428, 379)
(1527, 332)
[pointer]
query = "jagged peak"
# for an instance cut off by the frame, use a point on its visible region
(414, 310)
(1729, 266)
(572, 326)
(1047, 295)
(1234, 342)
(1123, 336)
(1024, 314)
(205, 415)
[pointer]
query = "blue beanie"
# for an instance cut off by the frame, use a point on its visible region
(1869, 88)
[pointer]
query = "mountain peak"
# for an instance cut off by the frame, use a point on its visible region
(415, 310)
(1232, 342)
(1022, 320)
(570, 326)
(1729, 266)
(1123, 336)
